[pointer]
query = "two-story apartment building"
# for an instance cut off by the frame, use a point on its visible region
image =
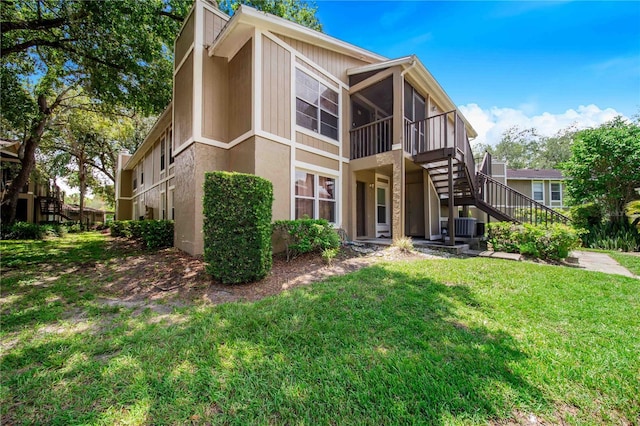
(374, 145)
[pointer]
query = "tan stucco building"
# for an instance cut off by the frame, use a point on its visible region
(373, 145)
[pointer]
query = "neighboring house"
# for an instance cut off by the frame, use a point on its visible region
(373, 145)
(545, 186)
(92, 216)
(40, 200)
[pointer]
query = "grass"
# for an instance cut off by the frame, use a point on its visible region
(458, 341)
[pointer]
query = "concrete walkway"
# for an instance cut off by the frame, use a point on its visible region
(600, 262)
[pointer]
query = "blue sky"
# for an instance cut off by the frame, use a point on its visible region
(533, 64)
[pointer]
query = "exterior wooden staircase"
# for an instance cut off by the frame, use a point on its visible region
(440, 145)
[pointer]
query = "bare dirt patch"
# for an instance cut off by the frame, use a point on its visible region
(169, 278)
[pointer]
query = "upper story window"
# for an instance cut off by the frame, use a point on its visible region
(142, 172)
(538, 191)
(162, 149)
(316, 106)
(170, 147)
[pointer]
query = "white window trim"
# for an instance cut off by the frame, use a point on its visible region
(559, 202)
(328, 84)
(533, 183)
(317, 172)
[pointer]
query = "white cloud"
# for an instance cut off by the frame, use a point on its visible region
(491, 123)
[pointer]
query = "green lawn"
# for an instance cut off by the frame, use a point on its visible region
(457, 341)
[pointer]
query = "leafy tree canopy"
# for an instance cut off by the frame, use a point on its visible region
(302, 12)
(605, 166)
(527, 149)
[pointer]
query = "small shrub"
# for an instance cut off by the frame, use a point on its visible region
(546, 242)
(237, 226)
(120, 228)
(54, 230)
(157, 233)
(307, 235)
(153, 234)
(404, 244)
(586, 216)
(73, 228)
(329, 254)
(25, 231)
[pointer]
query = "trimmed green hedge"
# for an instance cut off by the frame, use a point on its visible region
(545, 242)
(306, 235)
(237, 226)
(154, 234)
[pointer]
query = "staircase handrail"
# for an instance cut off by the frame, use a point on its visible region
(510, 193)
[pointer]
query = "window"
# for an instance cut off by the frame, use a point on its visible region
(163, 205)
(315, 196)
(170, 147)
(538, 191)
(142, 173)
(162, 148)
(135, 183)
(316, 106)
(556, 191)
(170, 203)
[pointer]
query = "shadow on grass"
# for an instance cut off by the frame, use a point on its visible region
(378, 346)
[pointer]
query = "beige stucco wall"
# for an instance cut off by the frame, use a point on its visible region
(242, 157)
(276, 89)
(273, 162)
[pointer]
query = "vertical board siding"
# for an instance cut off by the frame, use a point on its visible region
(213, 24)
(276, 89)
(317, 143)
(183, 102)
(240, 84)
(184, 40)
(215, 95)
(336, 63)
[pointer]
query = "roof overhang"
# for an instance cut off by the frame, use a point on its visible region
(246, 18)
(156, 131)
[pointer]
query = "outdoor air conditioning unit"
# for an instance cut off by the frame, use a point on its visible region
(466, 227)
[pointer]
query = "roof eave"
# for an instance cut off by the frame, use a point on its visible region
(248, 15)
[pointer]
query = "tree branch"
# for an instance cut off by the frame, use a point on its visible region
(20, 47)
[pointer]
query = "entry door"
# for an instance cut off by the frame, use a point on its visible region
(361, 209)
(383, 210)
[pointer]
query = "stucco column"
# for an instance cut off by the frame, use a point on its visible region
(397, 199)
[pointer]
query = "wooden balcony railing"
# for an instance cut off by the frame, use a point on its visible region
(446, 130)
(515, 204)
(372, 138)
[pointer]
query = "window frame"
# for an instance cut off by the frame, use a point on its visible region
(335, 87)
(316, 198)
(163, 163)
(551, 191)
(533, 191)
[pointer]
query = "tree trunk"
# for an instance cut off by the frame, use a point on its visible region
(83, 187)
(27, 161)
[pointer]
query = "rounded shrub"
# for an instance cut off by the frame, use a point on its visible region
(237, 226)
